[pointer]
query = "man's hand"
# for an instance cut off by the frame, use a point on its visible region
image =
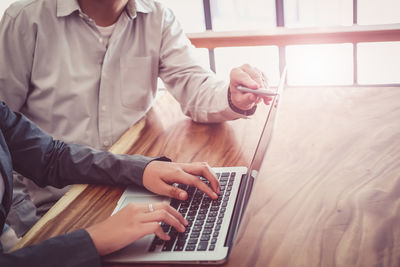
(250, 77)
(132, 223)
(159, 177)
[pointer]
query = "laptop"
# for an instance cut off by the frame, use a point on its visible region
(213, 224)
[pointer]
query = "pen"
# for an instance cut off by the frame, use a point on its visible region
(259, 91)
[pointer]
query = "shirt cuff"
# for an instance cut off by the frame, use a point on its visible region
(247, 112)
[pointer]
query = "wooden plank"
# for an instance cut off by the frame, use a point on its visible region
(296, 36)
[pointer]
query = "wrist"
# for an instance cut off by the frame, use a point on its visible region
(246, 112)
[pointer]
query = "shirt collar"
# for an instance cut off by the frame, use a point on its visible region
(67, 7)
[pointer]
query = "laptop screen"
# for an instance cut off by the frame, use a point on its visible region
(266, 133)
(262, 146)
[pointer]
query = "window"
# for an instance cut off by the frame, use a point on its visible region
(316, 13)
(266, 58)
(378, 63)
(228, 15)
(189, 13)
(320, 64)
(371, 12)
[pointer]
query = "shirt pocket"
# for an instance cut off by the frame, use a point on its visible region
(138, 82)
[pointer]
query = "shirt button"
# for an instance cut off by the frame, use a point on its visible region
(103, 108)
(106, 143)
(101, 40)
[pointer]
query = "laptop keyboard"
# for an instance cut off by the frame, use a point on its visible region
(204, 215)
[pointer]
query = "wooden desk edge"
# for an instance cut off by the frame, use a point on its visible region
(120, 147)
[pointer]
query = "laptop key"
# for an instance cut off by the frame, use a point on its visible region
(190, 247)
(212, 247)
(179, 247)
(201, 216)
(209, 225)
(199, 223)
(207, 231)
(203, 211)
(158, 241)
(202, 246)
(214, 208)
(182, 236)
(190, 218)
(192, 241)
(196, 228)
(210, 219)
(175, 203)
(213, 240)
(224, 178)
(212, 214)
(205, 237)
(168, 245)
(195, 235)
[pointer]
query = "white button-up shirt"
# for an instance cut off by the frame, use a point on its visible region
(56, 69)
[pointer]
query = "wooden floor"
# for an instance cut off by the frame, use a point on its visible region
(328, 193)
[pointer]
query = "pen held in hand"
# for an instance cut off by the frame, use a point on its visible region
(259, 91)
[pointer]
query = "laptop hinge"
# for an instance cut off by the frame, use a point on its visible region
(234, 224)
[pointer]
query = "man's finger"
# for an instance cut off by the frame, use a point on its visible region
(254, 73)
(240, 77)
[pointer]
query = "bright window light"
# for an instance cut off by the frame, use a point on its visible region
(320, 64)
(316, 13)
(378, 63)
(228, 15)
(265, 58)
(189, 13)
(378, 12)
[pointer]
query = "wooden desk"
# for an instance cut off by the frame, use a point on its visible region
(328, 195)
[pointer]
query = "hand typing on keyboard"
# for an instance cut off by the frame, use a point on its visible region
(204, 216)
(159, 177)
(132, 223)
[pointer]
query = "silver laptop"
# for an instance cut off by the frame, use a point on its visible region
(213, 224)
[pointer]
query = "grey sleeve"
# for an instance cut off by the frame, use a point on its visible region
(46, 161)
(73, 250)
